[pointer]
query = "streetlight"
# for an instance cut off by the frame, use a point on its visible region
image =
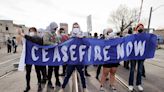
(151, 10)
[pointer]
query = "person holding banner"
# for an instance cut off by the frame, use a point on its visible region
(109, 68)
(76, 32)
(50, 38)
(63, 37)
(126, 63)
(39, 69)
(139, 29)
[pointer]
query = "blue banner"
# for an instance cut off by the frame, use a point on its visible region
(88, 51)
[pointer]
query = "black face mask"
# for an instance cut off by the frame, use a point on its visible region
(140, 30)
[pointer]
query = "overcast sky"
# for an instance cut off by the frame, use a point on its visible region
(40, 13)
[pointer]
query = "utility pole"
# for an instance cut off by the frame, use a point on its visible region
(150, 18)
(140, 11)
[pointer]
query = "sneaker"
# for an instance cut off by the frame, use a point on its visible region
(102, 89)
(113, 89)
(130, 88)
(140, 88)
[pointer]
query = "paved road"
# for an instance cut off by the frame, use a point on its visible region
(154, 80)
(15, 81)
(8, 59)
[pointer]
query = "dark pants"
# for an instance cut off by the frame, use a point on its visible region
(56, 71)
(15, 49)
(143, 70)
(126, 64)
(8, 48)
(70, 69)
(28, 73)
(98, 71)
(139, 72)
(64, 68)
(86, 72)
(43, 72)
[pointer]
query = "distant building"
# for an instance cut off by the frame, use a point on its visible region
(8, 29)
(160, 35)
(65, 26)
(159, 32)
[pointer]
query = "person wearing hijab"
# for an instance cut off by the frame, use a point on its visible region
(111, 67)
(41, 32)
(50, 38)
(76, 32)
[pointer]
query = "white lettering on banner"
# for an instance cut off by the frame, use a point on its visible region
(56, 55)
(89, 54)
(98, 56)
(105, 51)
(44, 54)
(34, 57)
(129, 48)
(139, 48)
(120, 51)
(81, 52)
(64, 51)
(72, 52)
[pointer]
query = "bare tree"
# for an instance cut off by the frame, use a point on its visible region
(124, 17)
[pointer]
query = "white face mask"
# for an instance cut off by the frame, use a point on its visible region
(76, 30)
(110, 35)
(62, 33)
(32, 33)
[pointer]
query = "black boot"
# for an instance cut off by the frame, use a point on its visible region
(87, 74)
(43, 81)
(39, 87)
(97, 77)
(58, 83)
(50, 84)
(27, 89)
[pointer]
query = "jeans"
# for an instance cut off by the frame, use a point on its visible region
(139, 72)
(69, 71)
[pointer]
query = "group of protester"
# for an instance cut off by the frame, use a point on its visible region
(53, 35)
(11, 44)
